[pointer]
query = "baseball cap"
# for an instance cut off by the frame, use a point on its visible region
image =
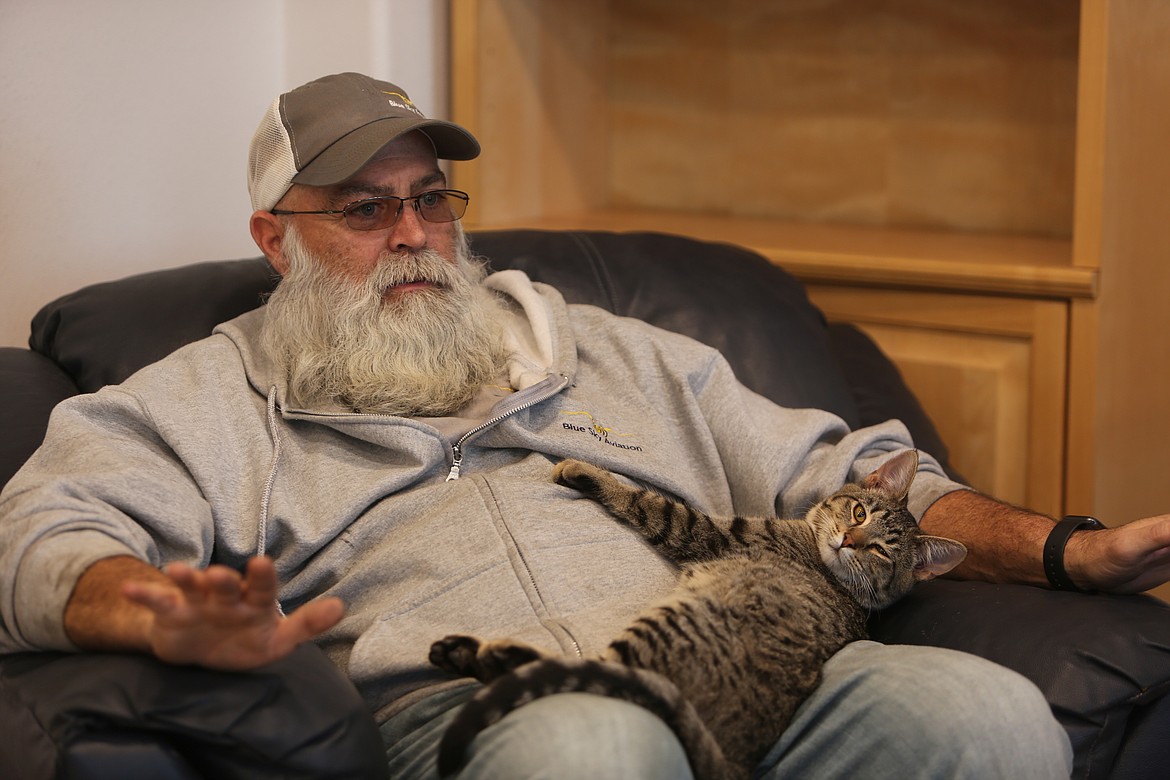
(323, 132)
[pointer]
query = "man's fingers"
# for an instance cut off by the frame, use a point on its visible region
(314, 618)
(181, 574)
(1150, 534)
(192, 582)
(155, 597)
(223, 586)
(260, 582)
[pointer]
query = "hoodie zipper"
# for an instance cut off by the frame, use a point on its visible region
(539, 392)
(545, 389)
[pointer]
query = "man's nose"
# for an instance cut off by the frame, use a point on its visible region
(408, 232)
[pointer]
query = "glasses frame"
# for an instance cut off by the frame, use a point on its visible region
(345, 210)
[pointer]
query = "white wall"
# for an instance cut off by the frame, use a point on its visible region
(124, 124)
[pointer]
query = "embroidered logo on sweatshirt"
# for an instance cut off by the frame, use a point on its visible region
(587, 423)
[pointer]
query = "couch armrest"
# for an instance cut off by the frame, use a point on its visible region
(30, 386)
(1102, 661)
(114, 715)
(881, 393)
(103, 333)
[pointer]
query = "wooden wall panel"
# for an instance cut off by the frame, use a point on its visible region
(901, 113)
(990, 372)
(535, 101)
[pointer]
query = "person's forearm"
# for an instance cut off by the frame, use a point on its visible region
(99, 617)
(1004, 543)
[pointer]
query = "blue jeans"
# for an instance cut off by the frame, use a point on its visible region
(881, 712)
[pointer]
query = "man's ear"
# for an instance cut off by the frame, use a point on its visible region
(268, 233)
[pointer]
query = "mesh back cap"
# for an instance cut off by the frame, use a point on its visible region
(325, 131)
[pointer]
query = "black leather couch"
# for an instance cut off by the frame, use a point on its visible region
(1102, 661)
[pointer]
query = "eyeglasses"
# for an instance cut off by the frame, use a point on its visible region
(383, 212)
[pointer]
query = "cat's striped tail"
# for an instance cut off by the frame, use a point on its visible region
(550, 676)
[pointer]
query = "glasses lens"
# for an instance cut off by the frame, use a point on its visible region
(381, 213)
(442, 205)
(373, 213)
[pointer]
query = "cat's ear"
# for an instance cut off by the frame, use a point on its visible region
(893, 477)
(936, 556)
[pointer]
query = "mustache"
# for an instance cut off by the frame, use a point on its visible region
(395, 269)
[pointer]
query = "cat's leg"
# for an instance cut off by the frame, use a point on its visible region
(682, 532)
(470, 656)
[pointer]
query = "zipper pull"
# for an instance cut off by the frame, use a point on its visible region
(456, 461)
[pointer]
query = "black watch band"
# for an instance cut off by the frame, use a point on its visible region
(1054, 549)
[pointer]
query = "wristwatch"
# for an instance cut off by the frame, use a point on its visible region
(1054, 549)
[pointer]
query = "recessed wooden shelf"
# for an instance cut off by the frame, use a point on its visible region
(884, 257)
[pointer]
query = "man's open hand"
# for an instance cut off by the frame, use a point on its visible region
(1125, 559)
(213, 617)
(219, 619)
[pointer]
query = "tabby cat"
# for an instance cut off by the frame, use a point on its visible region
(760, 605)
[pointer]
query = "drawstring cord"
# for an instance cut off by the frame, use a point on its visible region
(266, 498)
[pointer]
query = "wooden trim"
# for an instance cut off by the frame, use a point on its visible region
(464, 90)
(837, 254)
(1088, 190)
(1080, 487)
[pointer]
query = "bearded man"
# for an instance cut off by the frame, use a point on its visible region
(365, 462)
(417, 336)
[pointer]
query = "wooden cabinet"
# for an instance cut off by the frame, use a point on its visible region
(983, 187)
(989, 370)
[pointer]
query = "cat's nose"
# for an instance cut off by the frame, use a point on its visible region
(855, 537)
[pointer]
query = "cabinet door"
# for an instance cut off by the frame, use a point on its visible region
(989, 371)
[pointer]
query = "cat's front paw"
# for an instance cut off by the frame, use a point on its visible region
(456, 653)
(577, 474)
(468, 656)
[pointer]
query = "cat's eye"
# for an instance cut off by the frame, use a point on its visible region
(878, 550)
(858, 514)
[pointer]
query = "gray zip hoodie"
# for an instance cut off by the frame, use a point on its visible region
(420, 531)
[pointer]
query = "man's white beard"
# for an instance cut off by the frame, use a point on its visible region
(425, 353)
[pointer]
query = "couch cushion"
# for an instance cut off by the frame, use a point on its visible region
(30, 386)
(103, 333)
(723, 295)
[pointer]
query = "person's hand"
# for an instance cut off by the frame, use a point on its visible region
(219, 619)
(1126, 559)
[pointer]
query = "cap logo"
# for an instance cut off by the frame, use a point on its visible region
(402, 101)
